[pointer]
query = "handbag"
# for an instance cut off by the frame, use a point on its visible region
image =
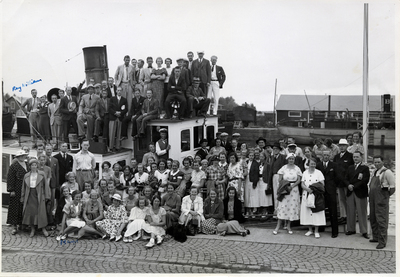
(268, 191)
(310, 201)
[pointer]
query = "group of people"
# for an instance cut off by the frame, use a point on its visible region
(212, 192)
(136, 94)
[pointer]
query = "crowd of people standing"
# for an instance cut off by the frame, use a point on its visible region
(211, 193)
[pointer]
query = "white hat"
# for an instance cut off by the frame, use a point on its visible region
(202, 51)
(224, 134)
(20, 153)
(163, 130)
(236, 135)
(117, 197)
(343, 141)
(292, 144)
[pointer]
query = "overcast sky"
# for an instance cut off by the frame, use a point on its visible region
(307, 45)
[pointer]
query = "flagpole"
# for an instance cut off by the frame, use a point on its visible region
(365, 84)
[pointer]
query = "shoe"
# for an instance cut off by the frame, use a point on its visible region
(309, 233)
(243, 234)
(159, 240)
(14, 231)
(223, 234)
(104, 236)
(290, 232)
(58, 238)
(274, 232)
(317, 235)
(112, 238)
(348, 233)
(380, 246)
(45, 233)
(126, 240)
(373, 240)
(138, 236)
(118, 238)
(334, 236)
(130, 239)
(32, 234)
(365, 235)
(63, 237)
(150, 244)
(248, 231)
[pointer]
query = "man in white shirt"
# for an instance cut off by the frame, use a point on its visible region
(145, 75)
(382, 186)
(217, 81)
(190, 56)
(83, 165)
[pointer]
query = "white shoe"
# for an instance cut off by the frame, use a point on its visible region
(138, 236)
(159, 240)
(317, 235)
(309, 233)
(150, 244)
(118, 238)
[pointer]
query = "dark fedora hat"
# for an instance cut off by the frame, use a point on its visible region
(261, 138)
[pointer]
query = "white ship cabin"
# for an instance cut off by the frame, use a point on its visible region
(183, 136)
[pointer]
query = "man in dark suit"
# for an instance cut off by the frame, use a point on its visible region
(233, 147)
(224, 141)
(150, 110)
(176, 92)
(201, 69)
(68, 109)
(278, 160)
(217, 81)
(198, 103)
(343, 160)
(357, 178)
(203, 151)
(118, 110)
(185, 73)
(65, 163)
(111, 88)
(102, 117)
(331, 174)
(134, 113)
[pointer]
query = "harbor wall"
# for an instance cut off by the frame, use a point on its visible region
(250, 135)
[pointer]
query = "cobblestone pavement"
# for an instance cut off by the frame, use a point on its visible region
(197, 255)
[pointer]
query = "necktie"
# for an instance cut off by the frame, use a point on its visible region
(213, 68)
(341, 155)
(90, 100)
(325, 165)
(34, 102)
(65, 156)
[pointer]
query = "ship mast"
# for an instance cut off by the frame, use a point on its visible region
(365, 84)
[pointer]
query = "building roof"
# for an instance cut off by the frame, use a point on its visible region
(320, 103)
(12, 97)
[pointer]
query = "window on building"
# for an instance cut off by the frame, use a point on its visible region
(210, 133)
(12, 105)
(185, 140)
(294, 114)
(198, 135)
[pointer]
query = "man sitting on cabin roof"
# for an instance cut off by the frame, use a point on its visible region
(176, 92)
(150, 110)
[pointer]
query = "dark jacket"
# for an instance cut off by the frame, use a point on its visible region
(331, 175)
(359, 178)
(237, 210)
(318, 191)
(276, 164)
(66, 114)
(116, 106)
(283, 190)
(136, 106)
(343, 164)
(64, 166)
(217, 213)
(220, 75)
(179, 88)
(254, 173)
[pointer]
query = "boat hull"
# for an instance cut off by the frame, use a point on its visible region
(385, 138)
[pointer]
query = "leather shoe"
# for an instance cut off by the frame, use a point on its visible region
(334, 236)
(380, 246)
(373, 240)
(365, 235)
(348, 233)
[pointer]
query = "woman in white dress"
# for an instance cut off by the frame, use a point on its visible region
(264, 200)
(307, 217)
(251, 198)
(155, 222)
(136, 220)
(162, 174)
(289, 207)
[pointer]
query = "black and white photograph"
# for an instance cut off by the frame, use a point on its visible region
(199, 137)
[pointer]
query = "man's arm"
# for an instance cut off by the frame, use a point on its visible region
(223, 78)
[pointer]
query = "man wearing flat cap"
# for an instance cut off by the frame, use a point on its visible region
(87, 113)
(217, 81)
(201, 69)
(198, 103)
(162, 145)
(185, 73)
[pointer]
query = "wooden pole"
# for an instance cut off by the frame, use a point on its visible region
(275, 117)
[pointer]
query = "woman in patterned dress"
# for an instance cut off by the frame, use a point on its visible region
(73, 219)
(44, 119)
(158, 76)
(187, 174)
(115, 219)
(213, 211)
(235, 175)
(222, 162)
(289, 207)
(15, 179)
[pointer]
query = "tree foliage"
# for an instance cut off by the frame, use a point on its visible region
(228, 102)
